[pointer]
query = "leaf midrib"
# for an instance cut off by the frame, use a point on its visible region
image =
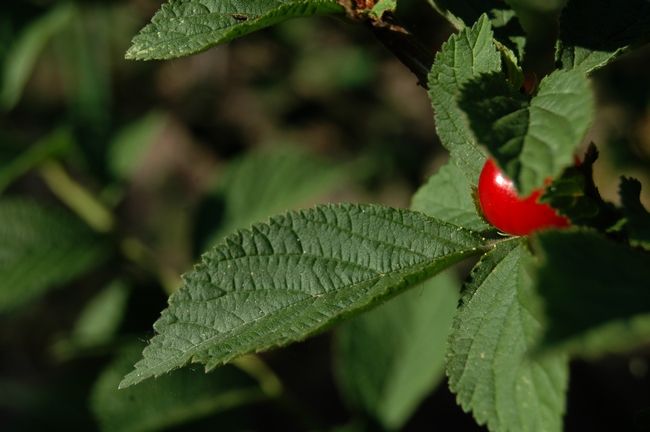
(158, 368)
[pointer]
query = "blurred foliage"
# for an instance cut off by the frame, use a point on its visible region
(159, 147)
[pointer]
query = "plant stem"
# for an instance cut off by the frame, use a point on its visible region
(77, 197)
(404, 45)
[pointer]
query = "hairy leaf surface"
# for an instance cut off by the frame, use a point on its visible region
(185, 27)
(295, 276)
(531, 140)
(464, 56)
(507, 29)
(488, 363)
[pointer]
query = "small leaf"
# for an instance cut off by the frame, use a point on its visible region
(447, 196)
(588, 281)
(97, 323)
(171, 400)
(463, 57)
(382, 6)
(23, 54)
(575, 195)
(594, 33)
(506, 26)
(389, 359)
(261, 184)
(637, 217)
(530, 141)
(488, 363)
(188, 27)
(296, 276)
(129, 147)
(56, 144)
(41, 249)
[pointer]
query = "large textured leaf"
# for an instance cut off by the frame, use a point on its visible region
(531, 141)
(488, 363)
(295, 276)
(595, 291)
(171, 400)
(596, 32)
(389, 359)
(184, 27)
(463, 57)
(448, 197)
(41, 249)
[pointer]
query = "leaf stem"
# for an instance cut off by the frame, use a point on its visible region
(77, 197)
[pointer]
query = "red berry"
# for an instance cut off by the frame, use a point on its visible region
(510, 214)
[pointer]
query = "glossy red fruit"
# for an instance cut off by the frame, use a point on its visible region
(510, 214)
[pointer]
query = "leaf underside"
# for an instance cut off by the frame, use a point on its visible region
(389, 359)
(186, 27)
(582, 293)
(296, 276)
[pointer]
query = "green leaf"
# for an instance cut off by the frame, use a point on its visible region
(129, 147)
(506, 26)
(391, 358)
(295, 276)
(41, 249)
(463, 57)
(594, 33)
(22, 55)
(488, 363)
(97, 323)
(576, 196)
(171, 400)
(642, 417)
(57, 144)
(466, 12)
(637, 217)
(261, 184)
(447, 196)
(530, 141)
(588, 281)
(382, 6)
(185, 27)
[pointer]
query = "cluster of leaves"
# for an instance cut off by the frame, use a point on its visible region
(300, 273)
(504, 344)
